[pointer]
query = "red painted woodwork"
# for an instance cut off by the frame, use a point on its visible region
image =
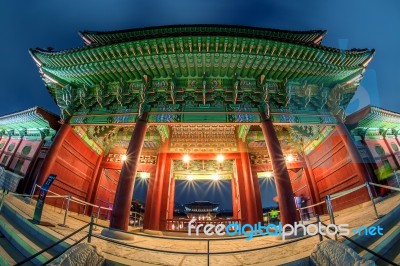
(372, 143)
(52, 153)
(7, 155)
(235, 200)
(333, 169)
(74, 163)
(253, 211)
(257, 194)
(282, 180)
(171, 199)
(163, 200)
(4, 141)
(242, 206)
(122, 204)
(395, 154)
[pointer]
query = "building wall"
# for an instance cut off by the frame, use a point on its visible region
(106, 190)
(74, 166)
(333, 171)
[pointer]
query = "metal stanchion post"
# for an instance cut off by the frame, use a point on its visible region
(372, 199)
(330, 210)
(62, 206)
(66, 211)
(301, 218)
(97, 217)
(319, 226)
(90, 229)
(208, 252)
(397, 178)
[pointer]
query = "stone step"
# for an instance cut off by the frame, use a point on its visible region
(10, 255)
(26, 238)
(388, 222)
(19, 241)
(386, 244)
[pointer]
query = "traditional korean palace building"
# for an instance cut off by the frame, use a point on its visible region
(202, 102)
(201, 210)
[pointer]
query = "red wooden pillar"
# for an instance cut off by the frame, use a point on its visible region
(235, 200)
(282, 180)
(355, 157)
(257, 193)
(241, 188)
(251, 202)
(149, 196)
(155, 191)
(123, 196)
(171, 198)
(162, 214)
(51, 155)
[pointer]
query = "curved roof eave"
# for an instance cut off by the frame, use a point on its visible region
(91, 37)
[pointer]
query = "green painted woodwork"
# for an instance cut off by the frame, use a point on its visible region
(91, 37)
(26, 150)
(205, 68)
(373, 122)
(202, 74)
(11, 147)
(320, 138)
(28, 123)
(203, 169)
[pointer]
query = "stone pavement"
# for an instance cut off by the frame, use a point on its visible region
(356, 216)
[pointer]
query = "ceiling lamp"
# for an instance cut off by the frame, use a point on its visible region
(268, 174)
(189, 178)
(220, 158)
(290, 158)
(124, 157)
(186, 158)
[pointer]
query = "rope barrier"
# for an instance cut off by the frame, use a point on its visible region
(344, 193)
(388, 187)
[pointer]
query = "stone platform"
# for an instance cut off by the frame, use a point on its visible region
(355, 217)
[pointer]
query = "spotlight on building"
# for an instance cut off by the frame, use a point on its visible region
(220, 158)
(215, 177)
(186, 158)
(124, 157)
(290, 158)
(189, 178)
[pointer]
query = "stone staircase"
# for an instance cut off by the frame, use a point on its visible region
(387, 245)
(19, 239)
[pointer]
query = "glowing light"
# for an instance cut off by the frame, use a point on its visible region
(290, 158)
(124, 157)
(186, 158)
(189, 178)
(215, 177)
(220, 158)
(268, 174)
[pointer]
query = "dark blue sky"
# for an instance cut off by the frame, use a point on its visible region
(45, 23)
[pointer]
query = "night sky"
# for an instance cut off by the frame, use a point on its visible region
(45, 23)
(208, 190)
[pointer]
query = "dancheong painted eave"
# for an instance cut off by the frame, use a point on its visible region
(96, 37)
(197, 53)
(373, 118)
(32, 119)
